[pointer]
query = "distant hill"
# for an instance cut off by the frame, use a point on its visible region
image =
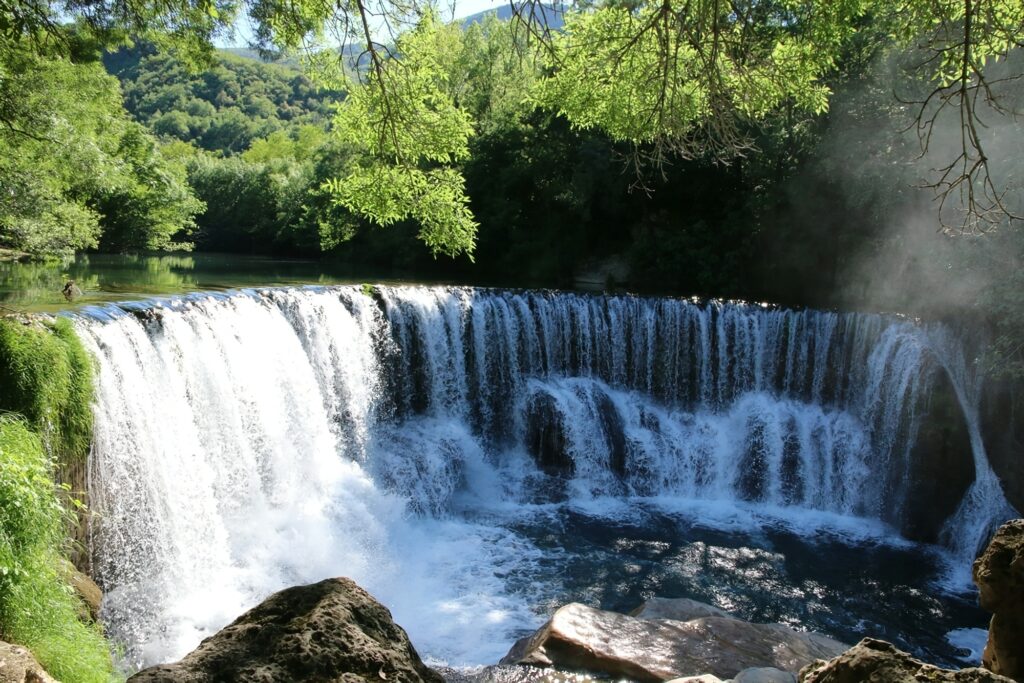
(224, 108)
(243, 97)
(551, 14)
(289, 62)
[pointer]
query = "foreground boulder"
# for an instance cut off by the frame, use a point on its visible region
(325, 632)
(17, 665)
(878, 661)
(580, 637)
(999, 573)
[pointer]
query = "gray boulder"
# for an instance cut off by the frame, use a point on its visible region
(331, 631)
(580, 637)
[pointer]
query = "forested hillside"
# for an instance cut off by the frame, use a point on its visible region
(222, 108)
(549, 199)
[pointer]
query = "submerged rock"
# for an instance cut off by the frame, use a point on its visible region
(878, 661)
(678, 609)
(516, 674)
(764, 674)
(17, 665)
(327, 631)
(999, 573)
(581, 637)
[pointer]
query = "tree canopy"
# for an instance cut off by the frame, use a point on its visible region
(72, 159)
(689, 77)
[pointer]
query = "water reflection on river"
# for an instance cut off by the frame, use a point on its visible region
(102, 278)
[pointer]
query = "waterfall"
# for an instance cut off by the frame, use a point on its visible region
(984, 506)
(251, 440)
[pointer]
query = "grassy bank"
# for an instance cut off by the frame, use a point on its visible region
(45, 422)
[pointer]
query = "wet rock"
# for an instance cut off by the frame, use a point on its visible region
(580, 637)
(764, 674)
(999, 574)
(614, 433)
(753, 466)
(1002, 404)
(86, 589)
(17, 665)
(878, 661)
(678, 609)
(940, 467)
(792, 466)
(703, 678)
(546, 439)
(325, 632)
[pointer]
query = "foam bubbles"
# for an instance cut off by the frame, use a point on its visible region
(970, 642)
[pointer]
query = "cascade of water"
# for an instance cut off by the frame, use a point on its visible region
(202, 413)
(764, 449)
(250, 440)
(984, 506)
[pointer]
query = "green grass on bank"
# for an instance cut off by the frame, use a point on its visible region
(37, 607)
(45, 423)
(46, 376)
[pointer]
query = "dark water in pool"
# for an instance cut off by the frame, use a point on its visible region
(845, 587)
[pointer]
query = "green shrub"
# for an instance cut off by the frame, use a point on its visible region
(46, 376)
(37, 607)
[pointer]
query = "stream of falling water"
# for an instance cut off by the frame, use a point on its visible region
(253, 440)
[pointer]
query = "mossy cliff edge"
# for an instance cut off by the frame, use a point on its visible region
(46, 385)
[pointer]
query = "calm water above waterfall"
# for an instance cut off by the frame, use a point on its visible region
(476, 458)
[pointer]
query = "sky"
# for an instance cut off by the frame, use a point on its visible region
(463, 8)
